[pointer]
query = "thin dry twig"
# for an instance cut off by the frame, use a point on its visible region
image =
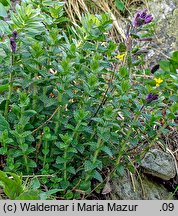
(47, 121)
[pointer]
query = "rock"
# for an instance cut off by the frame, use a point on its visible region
(165, 12)
(161, 8)
(122, 189)
(159, 164)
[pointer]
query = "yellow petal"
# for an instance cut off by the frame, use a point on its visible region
(158, 81)
(120, 56)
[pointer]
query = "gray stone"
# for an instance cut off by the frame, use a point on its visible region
(161, 8)
(145, 189)
(159, 164)
(165, 12)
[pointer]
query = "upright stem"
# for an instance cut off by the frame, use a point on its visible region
(10, 89)
(45, 148)
(65, 166)
(34, 95)
(58, 113)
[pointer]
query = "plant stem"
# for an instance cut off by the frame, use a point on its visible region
(34, 96)
(97, 150)
(10, 89)
(45, 148)
(26, 163)
(65, 166)
(58, 113)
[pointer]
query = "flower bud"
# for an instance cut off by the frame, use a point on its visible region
(151, 97)
(14, 33)
(13, 44)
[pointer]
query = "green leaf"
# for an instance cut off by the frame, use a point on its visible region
(79, 115)
(4, 27)
(97, 176)
(88, 165)
(165, 65)
(123, 71)
(125, 85)
(35, 183)
(60, 160)
(69, 195)
(25, 134)
(3, 151)
(32, 163)
(175, 56)
(120, 5)
(86, 186)
(107, 150)
(12, 187)
(30, 113)
(92, 80)
(131, 168)
(71, 170)
(4, 125)
(120, 170)
(122, 47)
(5, 2)
(3, 12)
(5, 86)
(45, 195)
(72, 150)
(29, 195)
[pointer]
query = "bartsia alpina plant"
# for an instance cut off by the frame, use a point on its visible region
(83, 111)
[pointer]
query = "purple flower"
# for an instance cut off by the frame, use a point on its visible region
(148, 18)
(13, 44)
(14, 33)
(143, 13)
(142, 18)
(151, 97)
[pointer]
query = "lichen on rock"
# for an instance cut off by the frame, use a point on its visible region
(159, 164)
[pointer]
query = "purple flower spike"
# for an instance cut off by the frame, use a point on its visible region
(142, 18)
(151, 97)
(15, 34)
(13, 44)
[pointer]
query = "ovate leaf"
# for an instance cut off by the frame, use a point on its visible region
(12, 186)
(88, 165)
(120, 5)
(29, 195)
(3, 12)
(97, 176)
(107, 150)
(4, 125)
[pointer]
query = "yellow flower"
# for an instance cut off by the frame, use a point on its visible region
(120, 56)
(158, 81)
